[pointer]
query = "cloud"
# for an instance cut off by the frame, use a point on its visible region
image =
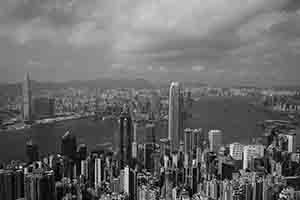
(198, 68)
(169, 35)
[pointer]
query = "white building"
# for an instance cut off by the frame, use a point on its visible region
(251, 152)
(215, 138)
(236, 151)
(126, 179)
(84, 168)
(98, 174)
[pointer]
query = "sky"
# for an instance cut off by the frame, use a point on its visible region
(218, 41)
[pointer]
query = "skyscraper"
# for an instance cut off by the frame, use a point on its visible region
(40, 186)
(98, 171)
(32, 151)
(215, 140)
(43, 107)
(27, 97)
(236, 151)
(175, 132)
(126, 140)
(251, 152)
(68, 146)
(11, 184)
(130, 182)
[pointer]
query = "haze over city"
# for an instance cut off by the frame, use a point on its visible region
(223, 41)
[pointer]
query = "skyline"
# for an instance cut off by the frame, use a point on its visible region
(210, 41)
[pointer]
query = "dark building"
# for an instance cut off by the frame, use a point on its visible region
(68, 145)
(32, 151)
(148, 161)
(40, 185)
(126, 139)
(82, 152)
(43, 107)
(11, 184)
(150, 133)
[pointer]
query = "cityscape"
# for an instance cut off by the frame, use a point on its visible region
(149, 100)
(185, 163)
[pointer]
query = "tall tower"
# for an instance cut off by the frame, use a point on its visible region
(175, 132)
(126, 138)
(68, 145)
(27, 98)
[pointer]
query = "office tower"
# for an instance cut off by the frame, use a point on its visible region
(156, 162)
(43, 107)
(175, 132)
(126, 138)
(122, 145)
(291, 142)
(27, 99)
(98, 171)
(115, 185)
(199, 138)
(40, 186)
(148, 161)
(134, 141)
(155, 105)
(227, 190)
(188, 140)
(164, 147)
(129, 138)
(251, 152)
(122, 180)
(150, 133)
(84, 168)
(215, 138)
(168, 184)
(11, 184)
(32, 151)
(257, 190)
(82, 151)
(236, 151)
(68, 146)
(130, 182)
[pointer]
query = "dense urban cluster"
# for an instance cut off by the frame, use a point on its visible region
(189, 164)
(46, 105)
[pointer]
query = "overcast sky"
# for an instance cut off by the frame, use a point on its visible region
(209, 40)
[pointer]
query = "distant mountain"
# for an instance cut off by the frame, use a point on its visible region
(16, 89)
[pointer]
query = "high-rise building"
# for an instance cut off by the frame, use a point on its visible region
(40, 186)
(291, 142)
(126, 138)
(236, 151)
(84, 168)
(130, 183)
(32, 151)
(11, 184)
(215, 138)
(43, 107)
(251, 152)
(155, 105)
(68, 146)
(148, 161)
(82, 151)
(98, 171)
(150, 133)
(199, 137)
(175, 132)
(168, 184)
(27, 99)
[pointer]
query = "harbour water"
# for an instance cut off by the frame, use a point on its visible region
(236, 117)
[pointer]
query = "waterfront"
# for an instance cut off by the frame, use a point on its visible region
(235, 116)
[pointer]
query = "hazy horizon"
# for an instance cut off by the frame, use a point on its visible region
(212, 41)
